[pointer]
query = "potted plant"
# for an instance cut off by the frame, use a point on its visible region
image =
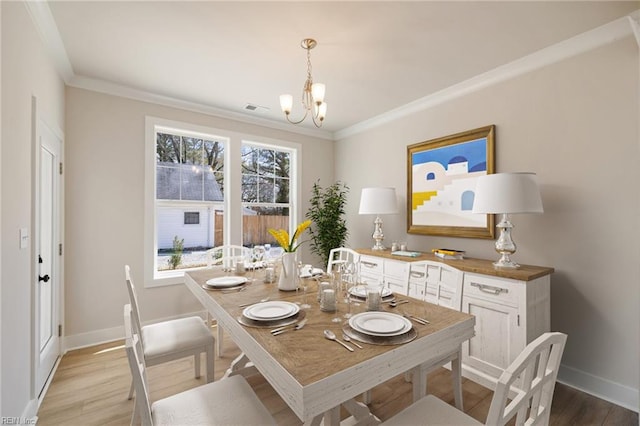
(329, 228)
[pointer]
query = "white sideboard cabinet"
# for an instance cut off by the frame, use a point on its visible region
(512, 307)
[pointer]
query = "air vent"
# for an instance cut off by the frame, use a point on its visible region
(255, 108)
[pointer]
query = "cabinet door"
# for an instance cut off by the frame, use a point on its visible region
(371, 267)
(498, 339)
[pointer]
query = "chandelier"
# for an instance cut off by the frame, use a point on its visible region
(312, 93)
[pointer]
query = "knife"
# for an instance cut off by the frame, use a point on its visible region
(286, 328)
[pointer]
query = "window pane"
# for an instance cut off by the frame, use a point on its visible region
(249, 188)
(282, 163)
(281, 190)
(266, 190)
(167, 148)
(266, 163)
(249, 160)
(192, 182)
(167, 183)
(257, 220)
(192, 149)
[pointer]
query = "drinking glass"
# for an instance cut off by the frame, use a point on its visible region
(374, 296)
(349, 278)
(336, 285)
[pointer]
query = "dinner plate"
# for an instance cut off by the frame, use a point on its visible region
(270, 311)
(380, 323)
(230, 281)
(361, 291)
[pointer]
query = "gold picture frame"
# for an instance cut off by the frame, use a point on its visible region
(441, 176)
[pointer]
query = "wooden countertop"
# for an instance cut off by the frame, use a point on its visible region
(478, 266)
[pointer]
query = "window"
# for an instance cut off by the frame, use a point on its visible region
(266, 191)
(191, 201)
(192, 218)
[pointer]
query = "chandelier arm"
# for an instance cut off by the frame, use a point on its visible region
(306, 112)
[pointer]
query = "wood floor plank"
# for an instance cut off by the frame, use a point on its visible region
(90, 387)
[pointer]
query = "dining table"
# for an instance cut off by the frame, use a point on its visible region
(316, 376)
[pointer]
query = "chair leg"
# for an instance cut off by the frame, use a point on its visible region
(196, 364)
(210, 355)
(131, 391)
(219, 337)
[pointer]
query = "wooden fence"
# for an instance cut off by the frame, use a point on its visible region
(254, 228)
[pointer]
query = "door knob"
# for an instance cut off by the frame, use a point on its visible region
(45, 278)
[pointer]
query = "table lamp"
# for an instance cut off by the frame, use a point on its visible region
(507, 193)
(378, 201)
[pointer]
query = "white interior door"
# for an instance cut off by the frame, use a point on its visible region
(47, 286)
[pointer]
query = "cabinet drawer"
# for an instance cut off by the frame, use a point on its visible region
(396, 286)
(371, 266)
(499, 290)
(396, 269)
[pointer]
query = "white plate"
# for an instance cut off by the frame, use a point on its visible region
(230, 281)
(380, 323)
(270, 311)
(361, 291)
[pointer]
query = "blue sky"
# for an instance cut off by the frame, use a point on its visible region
(474, 151)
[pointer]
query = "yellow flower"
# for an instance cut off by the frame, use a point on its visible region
(282, 237)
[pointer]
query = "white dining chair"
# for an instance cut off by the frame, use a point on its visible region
(525, 390)
(229, 401)
(173, 339)
(225, 257)
(342, 256)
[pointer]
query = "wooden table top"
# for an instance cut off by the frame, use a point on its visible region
(309, 359)
(479, 266)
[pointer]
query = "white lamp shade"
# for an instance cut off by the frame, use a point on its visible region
(286, 103)
(507, 193)
(317, 92)
(378, 201)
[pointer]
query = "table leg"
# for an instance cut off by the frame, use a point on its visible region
(241, 365)
(419, 381)
(456, 376)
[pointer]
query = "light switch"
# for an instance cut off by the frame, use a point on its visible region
(24, 238)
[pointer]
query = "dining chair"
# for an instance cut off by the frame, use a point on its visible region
(224, 257)
(341, 256)
(225, 402)
(525, 390)
(172, 339)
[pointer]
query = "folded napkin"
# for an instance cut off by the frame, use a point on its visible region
(308, 273)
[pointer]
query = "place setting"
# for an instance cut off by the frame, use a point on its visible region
(227, 283)
(358, 293)
(380, 328)
(271, 314)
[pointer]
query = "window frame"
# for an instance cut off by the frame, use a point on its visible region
(233, 204)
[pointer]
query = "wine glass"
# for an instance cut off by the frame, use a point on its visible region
(303, 284)
(349, 278)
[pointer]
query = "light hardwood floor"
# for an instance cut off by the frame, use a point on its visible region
(90, 388)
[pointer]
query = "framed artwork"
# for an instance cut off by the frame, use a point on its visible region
(441, 180)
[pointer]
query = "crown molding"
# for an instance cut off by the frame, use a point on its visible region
(46, 26)
(109, 88)
(589, 40)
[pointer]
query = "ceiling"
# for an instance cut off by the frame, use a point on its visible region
(372, 56)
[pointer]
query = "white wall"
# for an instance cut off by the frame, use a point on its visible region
(105, 208)
(26, 71)
(574, 123)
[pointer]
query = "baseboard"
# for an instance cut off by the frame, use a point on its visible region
(97, 337)
(29, 415)
(615, 393)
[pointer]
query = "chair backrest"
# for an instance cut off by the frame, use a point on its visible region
(526, 387)
(133, 300)
(137, 366)
(445, 280)
(226, 255)
(341, 256)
